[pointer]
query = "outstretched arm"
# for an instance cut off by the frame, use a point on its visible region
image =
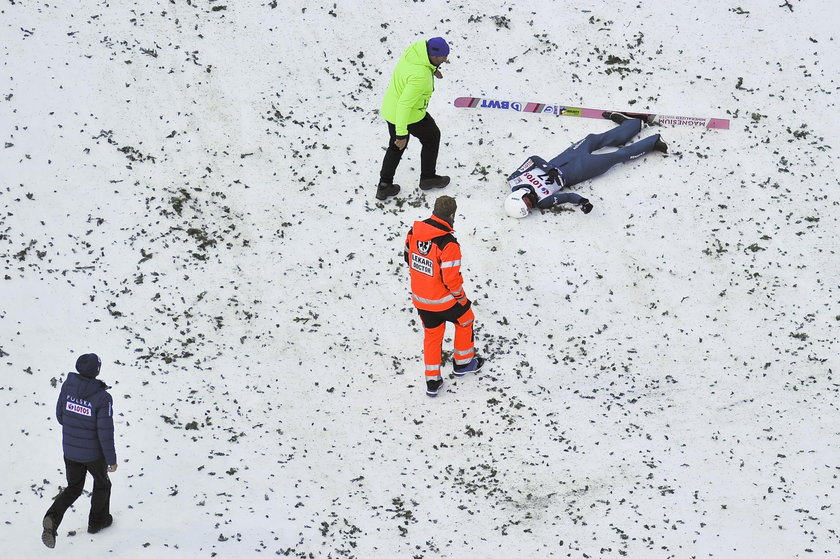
(559, 198)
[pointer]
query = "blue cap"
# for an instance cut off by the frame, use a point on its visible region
(437, 47)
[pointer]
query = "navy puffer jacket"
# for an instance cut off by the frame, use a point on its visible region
(85, 411)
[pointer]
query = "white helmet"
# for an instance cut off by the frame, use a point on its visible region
(515, 206)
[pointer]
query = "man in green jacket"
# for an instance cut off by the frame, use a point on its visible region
(404, 109)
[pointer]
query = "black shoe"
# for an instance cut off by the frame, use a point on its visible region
(94, 528)
(660, 145)
(385, 189)
(617, 118)
(473, 366)
(437, 181)
(50, 530)
(432, 387)
(585, 206)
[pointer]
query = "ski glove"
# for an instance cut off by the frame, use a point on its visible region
(554, 177)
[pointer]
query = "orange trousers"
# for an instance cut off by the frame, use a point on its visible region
(434, 330)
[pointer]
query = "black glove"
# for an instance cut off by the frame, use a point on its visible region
(553, 176)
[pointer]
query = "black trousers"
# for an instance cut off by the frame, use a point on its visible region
(100, 497)
(432, 319)
(425, 130)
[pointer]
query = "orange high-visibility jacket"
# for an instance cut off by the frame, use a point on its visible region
(434, 259)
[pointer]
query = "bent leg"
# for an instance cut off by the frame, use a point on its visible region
(426, 130)
(75, 472)
(392, 158)
(614, 137)
(590, 166)
(619, 135)
(464, 338)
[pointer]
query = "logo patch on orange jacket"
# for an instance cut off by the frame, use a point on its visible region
(422, 264)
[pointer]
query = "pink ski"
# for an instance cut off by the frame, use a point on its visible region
(562, 110)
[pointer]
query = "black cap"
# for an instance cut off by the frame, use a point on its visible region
(88, 365)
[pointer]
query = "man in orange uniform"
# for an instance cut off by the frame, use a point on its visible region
(437, 290)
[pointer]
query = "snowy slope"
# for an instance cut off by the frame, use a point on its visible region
(187, 189)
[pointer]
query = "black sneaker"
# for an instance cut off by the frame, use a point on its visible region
(473, 366)
(432, 387)
(94, 528)
(385, 190)
(48, 535)
(617, 118)
(660, 145)
(585, 206)
(437, 181)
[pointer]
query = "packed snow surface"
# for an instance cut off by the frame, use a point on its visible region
(187, 189)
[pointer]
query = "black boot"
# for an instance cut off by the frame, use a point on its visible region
(433, 386)
(94, 528)
(437, 181)
(617, 118)
(386, 189)
(660, 145)
(585, 206)
(50, 530)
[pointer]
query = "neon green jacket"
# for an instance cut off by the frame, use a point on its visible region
(410, 89)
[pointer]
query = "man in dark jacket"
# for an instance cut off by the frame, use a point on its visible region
(85, 412)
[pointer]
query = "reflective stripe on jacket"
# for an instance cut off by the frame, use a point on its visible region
(434, 260)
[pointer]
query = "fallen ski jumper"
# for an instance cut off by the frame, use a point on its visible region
(537, 182)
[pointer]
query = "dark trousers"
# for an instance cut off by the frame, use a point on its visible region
(579, 164)
(425, 130)
(433, 319)
(100, 497)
